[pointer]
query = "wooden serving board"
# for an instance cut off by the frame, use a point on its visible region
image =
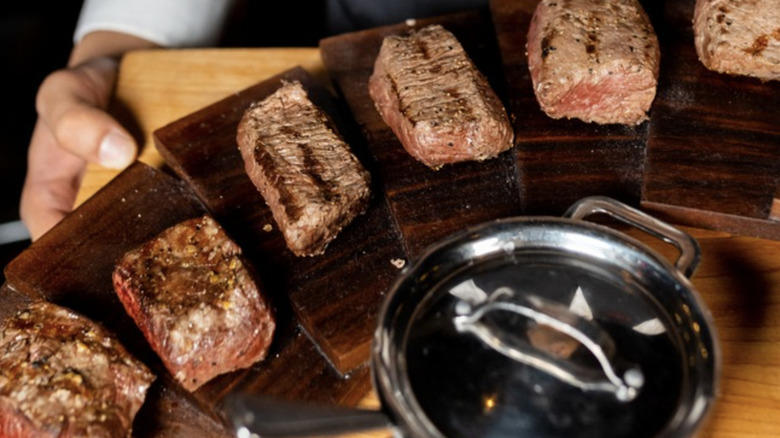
(713, 157)
(72, 264)
(426, 205)
(331, 295)
(693, 162)
(707, 157)
(561, 161)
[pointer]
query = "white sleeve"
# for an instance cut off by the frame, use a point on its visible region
(169, 23)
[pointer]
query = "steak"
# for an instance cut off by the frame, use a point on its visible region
(62, 375)
(740, 37)
(436, 101)
(593, 60)
(307, 174)
(196, 301)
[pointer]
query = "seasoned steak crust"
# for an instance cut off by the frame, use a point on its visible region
(62, 375)
(196, 302)
(305, 171)
(739, 37)
(436, 101)
(596, 61)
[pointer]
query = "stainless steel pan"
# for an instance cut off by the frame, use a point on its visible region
(533, 326)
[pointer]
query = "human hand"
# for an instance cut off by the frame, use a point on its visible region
(72, 129)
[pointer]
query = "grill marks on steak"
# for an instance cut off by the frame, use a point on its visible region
(62, 375)
(740, 37)
(438, 104)
(596, 61)
(195, 301)
(307, 174)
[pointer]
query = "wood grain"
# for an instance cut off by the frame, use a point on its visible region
(72, 264)
(746, 226)
(714, 139)
(293, 375)
(561, 161)
(13, 301)
(707, 157)
(339, 316)
(426, 205)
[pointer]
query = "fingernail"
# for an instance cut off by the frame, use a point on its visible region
(116, 151)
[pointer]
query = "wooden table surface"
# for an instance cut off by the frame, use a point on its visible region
(739, 277)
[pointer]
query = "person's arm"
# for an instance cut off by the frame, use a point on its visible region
(73, 127)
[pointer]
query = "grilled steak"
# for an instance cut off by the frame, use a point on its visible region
(307, 174)
(740, 37)
(195, 301)
(593, 60)
(439, 105)
(62, 375)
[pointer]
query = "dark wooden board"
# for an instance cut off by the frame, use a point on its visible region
(746, 226)
(707, 157)
(336, 296)
(561, 161)
(12, 300)
(72, 264)
(713, 152)
(426, 205)
(298, 373)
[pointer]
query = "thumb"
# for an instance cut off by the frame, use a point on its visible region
(72, 103)
(94, 136)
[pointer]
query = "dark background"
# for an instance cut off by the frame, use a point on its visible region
(35, 39)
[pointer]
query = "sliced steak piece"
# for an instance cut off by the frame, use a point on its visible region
(740, 37)
(62, 375)
(593, 60)
(196, 302)
(307, 174)
(439, 105)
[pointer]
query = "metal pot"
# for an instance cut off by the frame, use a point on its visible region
(546, 327)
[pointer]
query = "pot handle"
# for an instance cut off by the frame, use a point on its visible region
(253, 415)
(616, 376)
(690, 253)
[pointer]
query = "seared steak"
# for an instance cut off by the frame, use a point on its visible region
(307, 174)
(740, 37)
(195, 301)
(62, 375)
(439, 105)
(593, 60)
